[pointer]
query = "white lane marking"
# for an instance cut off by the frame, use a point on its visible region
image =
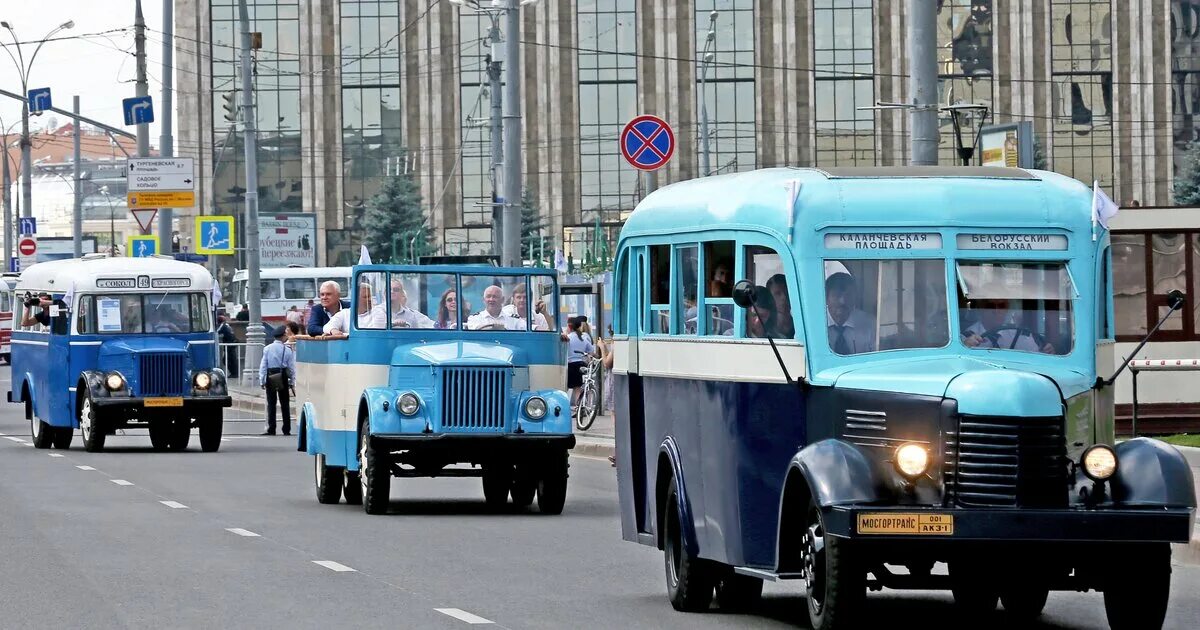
(14, 439)
(245, 437)
(463, 615)
(174, 505)
(121, 482)
(333, 566)
(57, 455)
(85, 468)
(241, 532)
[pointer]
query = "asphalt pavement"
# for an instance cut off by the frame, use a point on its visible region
(130, 538)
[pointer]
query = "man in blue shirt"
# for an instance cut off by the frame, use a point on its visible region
(331, 302)
(278, 375)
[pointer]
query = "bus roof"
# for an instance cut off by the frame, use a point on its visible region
(58, 275)
(294, 272)
(864, 197)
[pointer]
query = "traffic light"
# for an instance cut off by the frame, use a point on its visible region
(230, 106)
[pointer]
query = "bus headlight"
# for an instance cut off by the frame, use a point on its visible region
(1099, 462)
(912, 460)
(408, 403)
(114, 382)
(202, 380)
(535, 408)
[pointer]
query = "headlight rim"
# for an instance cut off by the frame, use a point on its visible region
(897, 459)
(1116, 462)
(208, 381)
(545, 408)
(122, 383)
(416, 403)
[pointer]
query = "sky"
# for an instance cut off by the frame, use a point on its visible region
(101, 69)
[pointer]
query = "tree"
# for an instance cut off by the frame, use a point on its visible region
(1187, 181)
(531, 226)
(395, 222)
(1039, 154)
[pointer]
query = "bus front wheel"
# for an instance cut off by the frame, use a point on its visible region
(1138, 588)
(374, 474)
(835, 583)
(90, 427)
(552, 486)
(180, 434)
(690, 580)
(211, 429)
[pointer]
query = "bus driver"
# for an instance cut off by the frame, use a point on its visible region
(492, 317)
(992, 329)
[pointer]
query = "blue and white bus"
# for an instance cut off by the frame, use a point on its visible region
(427, 386)
(916, 371)
(117, 343)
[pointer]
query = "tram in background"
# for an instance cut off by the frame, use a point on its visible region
(285, 287)
(8, 282)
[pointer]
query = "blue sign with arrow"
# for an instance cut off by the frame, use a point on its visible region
(138, 110)
(28, 225)
(39, 100)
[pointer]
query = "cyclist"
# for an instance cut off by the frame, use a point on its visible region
(580, 349)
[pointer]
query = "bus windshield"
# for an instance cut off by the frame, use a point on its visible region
(1016, 306)
(874, 305)
(396, 300)
(138, 313)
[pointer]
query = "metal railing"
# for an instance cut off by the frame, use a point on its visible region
(1156, 365)
(231, 357)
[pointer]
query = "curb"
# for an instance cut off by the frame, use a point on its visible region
(600, 448)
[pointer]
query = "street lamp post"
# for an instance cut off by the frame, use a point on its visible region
(23, 70)
(112, 224)
(709, 43)
(6, 198)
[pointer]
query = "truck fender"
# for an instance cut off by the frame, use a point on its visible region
(838, 473)
(28, 392)
(93, 383)
(1152, 473)
(670, 466)
(378, 409)
(309, 441)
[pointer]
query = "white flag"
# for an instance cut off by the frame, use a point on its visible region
(560, 261)
(364, 258)
(69, 296)
(1103, 208)
(216, 294)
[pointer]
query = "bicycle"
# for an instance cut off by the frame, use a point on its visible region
(588, 407)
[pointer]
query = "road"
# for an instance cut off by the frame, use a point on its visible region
(130, 538)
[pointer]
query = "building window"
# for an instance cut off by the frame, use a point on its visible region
(475, 109)
(728, 90)
(1146, 267)
(843, 51)
(1081, 89)
(1185, 74)
(964, 38)
(607, 100)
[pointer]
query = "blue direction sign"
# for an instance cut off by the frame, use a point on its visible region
(647, 142)
(141, 246)
(28, 225)
(138, 110)
(39, 100)
(214, 235)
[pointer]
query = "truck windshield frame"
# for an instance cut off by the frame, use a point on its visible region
(1016, 305)
(150, 313)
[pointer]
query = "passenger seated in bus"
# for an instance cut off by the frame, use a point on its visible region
(760, 318)
(159, 320)
(369, 316)
(992, 328)
(447, 315)
(491, 317)
(330, 295)
(402, 316)
(516, 308)
(718, 285)
(690, 312)
(851, 329)
(777, 285)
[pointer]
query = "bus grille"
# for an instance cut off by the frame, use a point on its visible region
(162, 373)
(1003, 461)
(473, 399)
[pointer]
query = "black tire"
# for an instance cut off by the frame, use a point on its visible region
(690, 580)
(497, 479)
(91, 426)
(1138, 588)
(739, 593)
(374, 474)
(41, 433)
(160, 434)
(328, 480)
(1024, 601)
(211, 429)
(352, 488)
(62, 437)
(524, 486)
(836, 582)
(180, 434)
(975, 592)
(552, 483)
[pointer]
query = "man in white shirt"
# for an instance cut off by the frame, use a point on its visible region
(402, 316)
(370, 316)
(517, 309)
(993, 314)
(492, 317)
(851, 330)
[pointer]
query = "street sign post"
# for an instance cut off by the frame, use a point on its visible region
(27, 250)
(138, 110)
(160, 183)
(141, 246)
(214, 235)
(28, 225)
(144, 218)
(647, 143)
(39, 100)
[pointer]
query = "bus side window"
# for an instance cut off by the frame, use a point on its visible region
(85, 320)
(298, 288)
(270, 289)
(718, 288)
(687, 283)
(1103, 323)
(660, 289)
(765, 269)
(620, 291)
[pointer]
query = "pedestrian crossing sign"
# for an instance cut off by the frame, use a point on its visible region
(214, 235)
(141, 246)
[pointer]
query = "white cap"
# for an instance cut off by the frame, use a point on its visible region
(835, 267)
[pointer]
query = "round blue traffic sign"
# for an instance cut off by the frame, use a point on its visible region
(647, 142)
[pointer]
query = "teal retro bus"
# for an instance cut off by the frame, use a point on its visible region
(915, 371)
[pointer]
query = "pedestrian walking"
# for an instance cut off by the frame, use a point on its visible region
(278, 374)
(229, 341)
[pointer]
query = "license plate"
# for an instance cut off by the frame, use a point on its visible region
(894, 523)
(163, 402)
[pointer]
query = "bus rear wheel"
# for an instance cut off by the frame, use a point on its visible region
(328, 480)
(91, 428)
(690, 580)
(497, 478)
(160, 436)
(62, 437)
(180, 434)
(524, 486)
(40, 432)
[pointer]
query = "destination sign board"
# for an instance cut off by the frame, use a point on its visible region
(883, 240)
(170, 283)
(116, 283)
(1015, 241)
